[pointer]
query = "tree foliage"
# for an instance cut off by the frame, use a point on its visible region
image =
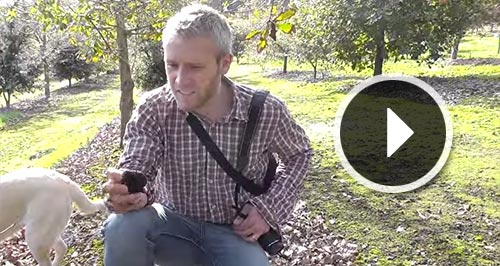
(311, 43)
(367, 32)
(149, 66)
(275, 22)
(107, 26)
(70, 64)
(18, 65)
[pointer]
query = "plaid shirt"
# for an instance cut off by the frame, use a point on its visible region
(182, 174)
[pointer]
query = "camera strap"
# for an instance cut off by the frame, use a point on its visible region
(243, 156)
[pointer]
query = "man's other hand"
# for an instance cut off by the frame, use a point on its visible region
(251, 227)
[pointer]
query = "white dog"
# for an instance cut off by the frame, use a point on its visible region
(41, 200)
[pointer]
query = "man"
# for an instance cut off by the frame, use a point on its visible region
(195, 223)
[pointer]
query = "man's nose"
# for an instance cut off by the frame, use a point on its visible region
(182, 76)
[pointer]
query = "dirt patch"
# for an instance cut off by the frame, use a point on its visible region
(475, 61)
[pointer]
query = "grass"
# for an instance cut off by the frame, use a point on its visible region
(44, 138)
(460, 206)
(54, 86)
(9, 117)
(470, 47)
(478, 47)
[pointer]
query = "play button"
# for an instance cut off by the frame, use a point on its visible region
(393, 133)
(397, 132)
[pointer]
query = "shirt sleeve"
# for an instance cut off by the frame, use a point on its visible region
(292, 145)
(143, 144)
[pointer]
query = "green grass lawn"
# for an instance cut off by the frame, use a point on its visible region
(460, 206)
(44, 138)
(54, 86)
(478, 47)
(473, 46)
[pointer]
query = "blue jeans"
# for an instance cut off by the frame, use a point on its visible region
(158, 235)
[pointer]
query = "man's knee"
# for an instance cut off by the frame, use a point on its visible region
(132, 224)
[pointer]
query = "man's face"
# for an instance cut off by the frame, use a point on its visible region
(193, 71)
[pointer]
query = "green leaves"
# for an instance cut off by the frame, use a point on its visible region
(11, 14)
(286, 27)
(285, 15)
(252, 34)
(262, 45)
(271, 27)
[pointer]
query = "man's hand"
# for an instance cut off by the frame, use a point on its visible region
(251, 227)
(119, 198)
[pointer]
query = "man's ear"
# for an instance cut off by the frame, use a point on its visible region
(225, 63)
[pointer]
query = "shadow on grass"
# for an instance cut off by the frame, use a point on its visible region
(95, 84)
(51, 109)
(477, 89)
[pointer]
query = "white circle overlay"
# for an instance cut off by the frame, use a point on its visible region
(422, 180)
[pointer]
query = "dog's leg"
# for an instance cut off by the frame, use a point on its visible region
(38, 247)
(46, 218)
(60, 249)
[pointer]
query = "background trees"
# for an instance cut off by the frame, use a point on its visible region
(19, 66)
(360, 34)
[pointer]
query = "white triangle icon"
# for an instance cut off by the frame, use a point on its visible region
(397, 132)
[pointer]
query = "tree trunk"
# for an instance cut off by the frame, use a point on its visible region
(6, 97)
(454, 48)
(285, 64)
(315, 69)
(380, 53)
(69, 82)
(45, 66)
(126, 83)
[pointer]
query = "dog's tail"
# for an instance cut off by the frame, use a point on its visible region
(83, 202)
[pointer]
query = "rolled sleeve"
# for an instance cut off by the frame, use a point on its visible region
(143, 145)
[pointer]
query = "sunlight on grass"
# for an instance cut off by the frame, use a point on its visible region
(479, 47)
(48, 137)
(37, 93)
(475, 46)
(448, 231)
(9, 116)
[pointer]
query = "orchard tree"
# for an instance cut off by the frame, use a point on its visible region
(69, 63)
(272, 22)
(240, 29)
(43, 39)
(311, 42)
(149, 66)
(18, 67)
(465, 15)
(367, 32)
(107, 26)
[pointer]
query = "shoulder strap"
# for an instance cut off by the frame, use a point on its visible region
(256, 104)
(254, 113)
(219, 157)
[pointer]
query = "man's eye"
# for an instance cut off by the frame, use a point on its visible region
(171, 65)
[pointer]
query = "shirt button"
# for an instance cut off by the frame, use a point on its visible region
(210, 181)
(214, 206)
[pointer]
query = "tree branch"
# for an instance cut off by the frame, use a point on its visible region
(95, 27)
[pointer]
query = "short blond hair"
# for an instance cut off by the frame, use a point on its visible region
(200, 20)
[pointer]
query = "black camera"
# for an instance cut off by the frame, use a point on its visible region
(271, 241)
(135, 181)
